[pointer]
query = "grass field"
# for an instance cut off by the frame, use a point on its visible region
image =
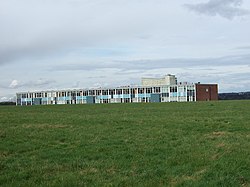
(146, 144)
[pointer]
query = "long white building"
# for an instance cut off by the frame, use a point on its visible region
(152, 90)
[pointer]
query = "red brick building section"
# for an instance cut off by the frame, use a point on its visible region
(206, 92)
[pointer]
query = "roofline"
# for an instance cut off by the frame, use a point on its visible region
(103, 88)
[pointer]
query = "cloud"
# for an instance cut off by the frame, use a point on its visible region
(2, 99)
(242, 48)
(132, 66)
(43, 29)
(8, 98)
(14, 84)
(225, 8)
(40, 83)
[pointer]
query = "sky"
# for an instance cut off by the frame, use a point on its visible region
(62, 44)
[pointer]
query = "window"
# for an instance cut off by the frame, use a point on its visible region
(126, 100)
(134, 91)
(61, 94)
(85, 93)
(148, 90)
(98, 92)
(165, 94)
(173, 89)
(111, 92)
(91, 92)
(39, 94)
(24, 96)
(18, 96)
(125, 91)
(140, 90)
(105, 101)
(104, 92)
(157, 89)
(190, 92)
(119, 91)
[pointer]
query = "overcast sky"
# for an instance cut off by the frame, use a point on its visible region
(58, 44)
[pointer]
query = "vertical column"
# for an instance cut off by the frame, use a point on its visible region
(194, 92)
(137, 91)
(122, 96)
(101, 100)
(177, 90)
(169, 92)
(26, 97)
(108, 96)
(81, 93)
(130, 96)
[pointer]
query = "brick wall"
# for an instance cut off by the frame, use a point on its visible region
(206, 92)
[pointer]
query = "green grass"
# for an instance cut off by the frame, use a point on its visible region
(146, 144)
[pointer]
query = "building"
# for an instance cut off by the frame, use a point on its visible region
(152, 90)
(166, 80)
(206, 92)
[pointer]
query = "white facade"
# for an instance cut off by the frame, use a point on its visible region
(129, 94)
(167, 80)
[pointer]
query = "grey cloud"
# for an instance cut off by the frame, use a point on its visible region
(226, 8)
(138, 66)
(44, 29)
(242, 48)
(40, 83)
(96, 77)
(184, 63)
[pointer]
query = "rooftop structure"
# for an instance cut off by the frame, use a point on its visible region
(166, 80)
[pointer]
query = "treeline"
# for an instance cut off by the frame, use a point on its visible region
(234, 96)
(8, 103)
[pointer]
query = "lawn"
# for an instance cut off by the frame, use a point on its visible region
(143, 144)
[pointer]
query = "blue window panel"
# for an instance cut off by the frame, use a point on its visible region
(144, 95)
(117, 96)
(182, 94)
(126, 95)
(44, 99)
(81, 97)
(174, 94)
(155, 98)
(104, 97)
(26, 99)
(68, 98)
(61, 98)
(141, 95)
